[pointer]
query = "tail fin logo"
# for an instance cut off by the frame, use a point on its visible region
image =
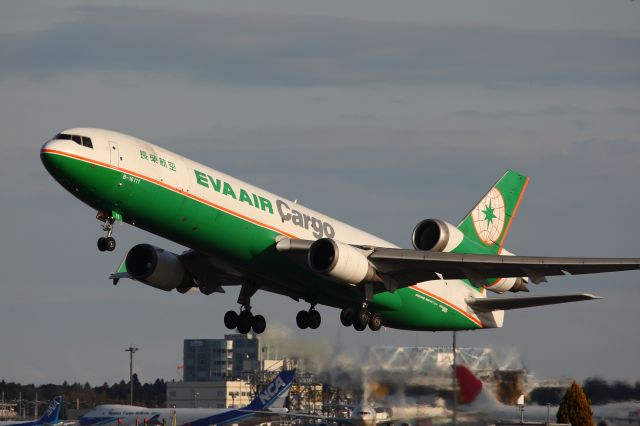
(489, 217)
(272, 390)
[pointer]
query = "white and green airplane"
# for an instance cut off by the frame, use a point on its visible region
(239, 234)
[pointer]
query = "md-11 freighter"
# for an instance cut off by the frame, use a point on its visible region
(239, 234)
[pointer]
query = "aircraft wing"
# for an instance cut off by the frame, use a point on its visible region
(404, 267)
(506, 303)
(479, 267)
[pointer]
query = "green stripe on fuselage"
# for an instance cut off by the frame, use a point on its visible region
(244, 244)
(420, 311)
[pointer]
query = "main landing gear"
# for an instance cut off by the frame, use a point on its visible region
(360, 318)
(108, 243)
(309, 319)
(245, 321)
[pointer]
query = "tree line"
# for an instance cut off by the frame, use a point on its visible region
(151, 395)
(598, 390)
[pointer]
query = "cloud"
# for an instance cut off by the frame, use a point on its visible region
(550, 111)
(316, 50)
(627, 111)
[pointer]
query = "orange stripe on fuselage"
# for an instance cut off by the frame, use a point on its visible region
(513, 213)
(164, 185)
(448, 303)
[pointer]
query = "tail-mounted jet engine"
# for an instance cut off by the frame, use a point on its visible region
(341, 262)
(157, 268)
(513, 284)
(436, 235)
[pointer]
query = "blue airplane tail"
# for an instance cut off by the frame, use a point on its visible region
(52, 413)
(274, 394)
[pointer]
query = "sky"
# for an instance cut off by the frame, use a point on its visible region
(376, 113)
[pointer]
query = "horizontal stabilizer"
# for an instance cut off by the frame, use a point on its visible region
(486, 305)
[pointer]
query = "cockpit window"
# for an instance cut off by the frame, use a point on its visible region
(62, 136)
(86, 141)
(80, 140)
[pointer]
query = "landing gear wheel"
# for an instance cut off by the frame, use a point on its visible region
(245, 320)
(231, 320)
(314, 319)
(362, 319)
(110, 244)
(375, 322)
(359, 327)
(259, 324)
(302, 319)
(346, 317)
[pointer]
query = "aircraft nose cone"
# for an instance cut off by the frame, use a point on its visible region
(48, 157)
(51, 159)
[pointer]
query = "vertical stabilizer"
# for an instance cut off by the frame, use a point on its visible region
(274, 393)
(472, 390)
(487, 224)
(52, 413)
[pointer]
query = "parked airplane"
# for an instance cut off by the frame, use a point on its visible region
(365, 414)
(268, 403)
(239, 234)
(51, 416)
(479, 402)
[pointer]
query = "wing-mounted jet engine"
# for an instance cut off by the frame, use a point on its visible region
(157, 268)
(342, 262)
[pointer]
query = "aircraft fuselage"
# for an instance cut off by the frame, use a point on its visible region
(223, 217)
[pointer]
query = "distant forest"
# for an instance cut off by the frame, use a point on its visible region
(153, 395)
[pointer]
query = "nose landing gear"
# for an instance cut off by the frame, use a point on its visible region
(107, 243)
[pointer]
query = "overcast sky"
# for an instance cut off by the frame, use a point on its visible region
(377, 113)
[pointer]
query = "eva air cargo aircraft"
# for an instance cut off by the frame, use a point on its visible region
(239, 234)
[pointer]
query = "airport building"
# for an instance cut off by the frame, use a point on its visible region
(222, 373)
(208, 360)
(217, 394)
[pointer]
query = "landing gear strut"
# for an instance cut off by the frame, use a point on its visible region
(108, 243)
(245, 321)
